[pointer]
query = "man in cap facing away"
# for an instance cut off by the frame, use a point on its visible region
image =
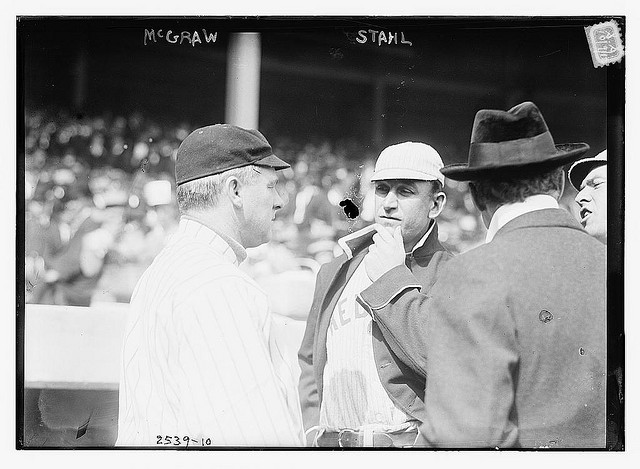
(512, 335)
(199, 363)
(354, 389)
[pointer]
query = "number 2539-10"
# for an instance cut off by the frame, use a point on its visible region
(175, 440)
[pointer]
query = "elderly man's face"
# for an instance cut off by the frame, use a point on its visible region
(261, 202)
(406, 203)
(592, 200)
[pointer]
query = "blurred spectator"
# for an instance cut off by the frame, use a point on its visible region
(73, 274)
(314, 214)
(69, 159)
(42, 243)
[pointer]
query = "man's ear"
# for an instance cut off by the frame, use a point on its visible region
(564, 178)
(232, 188)
(439, 201)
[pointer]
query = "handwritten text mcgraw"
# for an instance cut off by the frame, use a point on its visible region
(151, 35)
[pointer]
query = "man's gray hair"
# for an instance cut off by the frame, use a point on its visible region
(201, 194)
(506, 191)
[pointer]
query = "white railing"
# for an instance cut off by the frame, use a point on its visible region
(72, 347)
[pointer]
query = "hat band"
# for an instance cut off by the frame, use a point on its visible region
(513, 152)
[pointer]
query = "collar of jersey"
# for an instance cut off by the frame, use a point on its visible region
(228, 247)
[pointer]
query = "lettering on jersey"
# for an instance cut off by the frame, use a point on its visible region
(341, 315)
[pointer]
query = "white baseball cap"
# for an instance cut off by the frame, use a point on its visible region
(409, 160)
(581, 168)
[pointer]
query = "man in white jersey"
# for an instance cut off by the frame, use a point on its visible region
(354, 387)
(200, 366)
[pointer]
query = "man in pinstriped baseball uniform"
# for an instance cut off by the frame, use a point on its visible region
(199, 363)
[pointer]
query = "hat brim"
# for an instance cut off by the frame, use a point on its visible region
(567, 153)
(402, 173)
(581, 168)
(272, 161)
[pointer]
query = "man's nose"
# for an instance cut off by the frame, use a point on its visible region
(582, 196)
(280, 201)
(390, 201)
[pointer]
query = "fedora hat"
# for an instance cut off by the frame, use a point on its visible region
(513, 142)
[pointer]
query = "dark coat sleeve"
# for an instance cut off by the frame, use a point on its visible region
(397, 302)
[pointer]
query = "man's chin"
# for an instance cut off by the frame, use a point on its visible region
(261, 241)
(390, 225)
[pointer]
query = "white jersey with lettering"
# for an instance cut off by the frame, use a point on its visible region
(352, 395)
(198, 358)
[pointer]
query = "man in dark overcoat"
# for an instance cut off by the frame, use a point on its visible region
(512, 336)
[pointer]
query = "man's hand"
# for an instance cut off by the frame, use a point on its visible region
(386, 253)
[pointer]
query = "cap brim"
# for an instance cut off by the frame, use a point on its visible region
(272, 161)
(567, 153)
(398, 173)
(581, 168)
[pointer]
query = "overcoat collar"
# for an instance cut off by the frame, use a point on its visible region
(551, 217)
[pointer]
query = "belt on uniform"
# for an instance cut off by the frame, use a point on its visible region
(356, 439)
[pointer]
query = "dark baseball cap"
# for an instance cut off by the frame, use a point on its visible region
(217, 148)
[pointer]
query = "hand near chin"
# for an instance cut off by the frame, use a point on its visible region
(386, 252)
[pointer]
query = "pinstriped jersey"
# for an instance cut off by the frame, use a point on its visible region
(198, 358)
(353, 396)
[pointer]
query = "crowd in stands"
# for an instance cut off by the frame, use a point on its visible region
(100, 204)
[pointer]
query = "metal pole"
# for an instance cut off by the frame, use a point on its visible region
(243, 80)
